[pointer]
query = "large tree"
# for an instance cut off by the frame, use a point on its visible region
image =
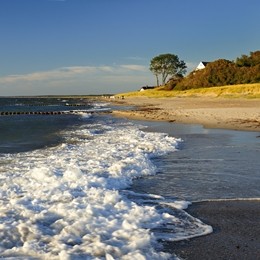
(167, 65)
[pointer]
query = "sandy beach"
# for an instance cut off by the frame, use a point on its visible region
(235, 223)
(239, 114)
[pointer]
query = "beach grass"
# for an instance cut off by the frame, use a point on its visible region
(231, 91)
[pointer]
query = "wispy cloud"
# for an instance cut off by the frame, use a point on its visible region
(71, 72)
(64, 72)
(136, 58)
(77, 80)
(134, 67)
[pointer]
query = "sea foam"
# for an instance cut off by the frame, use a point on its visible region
(68, 201)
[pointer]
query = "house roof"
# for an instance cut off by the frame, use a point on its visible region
(205, 62)
(202, 65)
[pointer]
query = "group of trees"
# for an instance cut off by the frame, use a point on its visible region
(245, 69)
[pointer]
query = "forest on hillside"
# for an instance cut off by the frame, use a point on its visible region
(245, 69)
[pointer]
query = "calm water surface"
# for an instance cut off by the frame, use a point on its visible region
(210, 164)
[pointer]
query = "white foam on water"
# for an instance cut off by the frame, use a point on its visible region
(65, 202)
(179, 204)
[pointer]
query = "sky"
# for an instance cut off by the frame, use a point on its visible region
(83, 47)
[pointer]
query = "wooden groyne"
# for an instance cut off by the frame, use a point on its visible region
(50, 113)
(50, 105)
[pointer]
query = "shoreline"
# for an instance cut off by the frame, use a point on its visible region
(235, 222)
(221, 113)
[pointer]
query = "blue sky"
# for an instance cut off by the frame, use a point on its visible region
(105, 46)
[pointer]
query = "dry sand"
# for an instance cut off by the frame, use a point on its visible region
(236, 224)
(242, 114)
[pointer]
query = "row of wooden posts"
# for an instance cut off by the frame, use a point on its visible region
(46, 105)
(13, 113)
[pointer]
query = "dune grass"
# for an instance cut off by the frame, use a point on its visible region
(232, 91)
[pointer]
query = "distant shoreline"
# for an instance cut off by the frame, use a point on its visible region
(225, 113)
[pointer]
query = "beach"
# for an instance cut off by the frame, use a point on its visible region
(235, 222)
(227, 113)
(86, 184)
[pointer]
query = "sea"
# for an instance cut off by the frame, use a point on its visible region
(78, 183)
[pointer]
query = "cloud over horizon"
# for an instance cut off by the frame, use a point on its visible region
(69, 72)
(63, 78)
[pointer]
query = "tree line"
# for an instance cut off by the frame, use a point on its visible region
(245, 69)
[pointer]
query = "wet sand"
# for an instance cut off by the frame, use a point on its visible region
(236, 226)
(239, 114)
(236, 223)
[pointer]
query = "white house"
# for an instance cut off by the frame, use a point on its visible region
(202, 65)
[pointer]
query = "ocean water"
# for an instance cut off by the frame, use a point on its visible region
(68, 184)
(211, 164)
